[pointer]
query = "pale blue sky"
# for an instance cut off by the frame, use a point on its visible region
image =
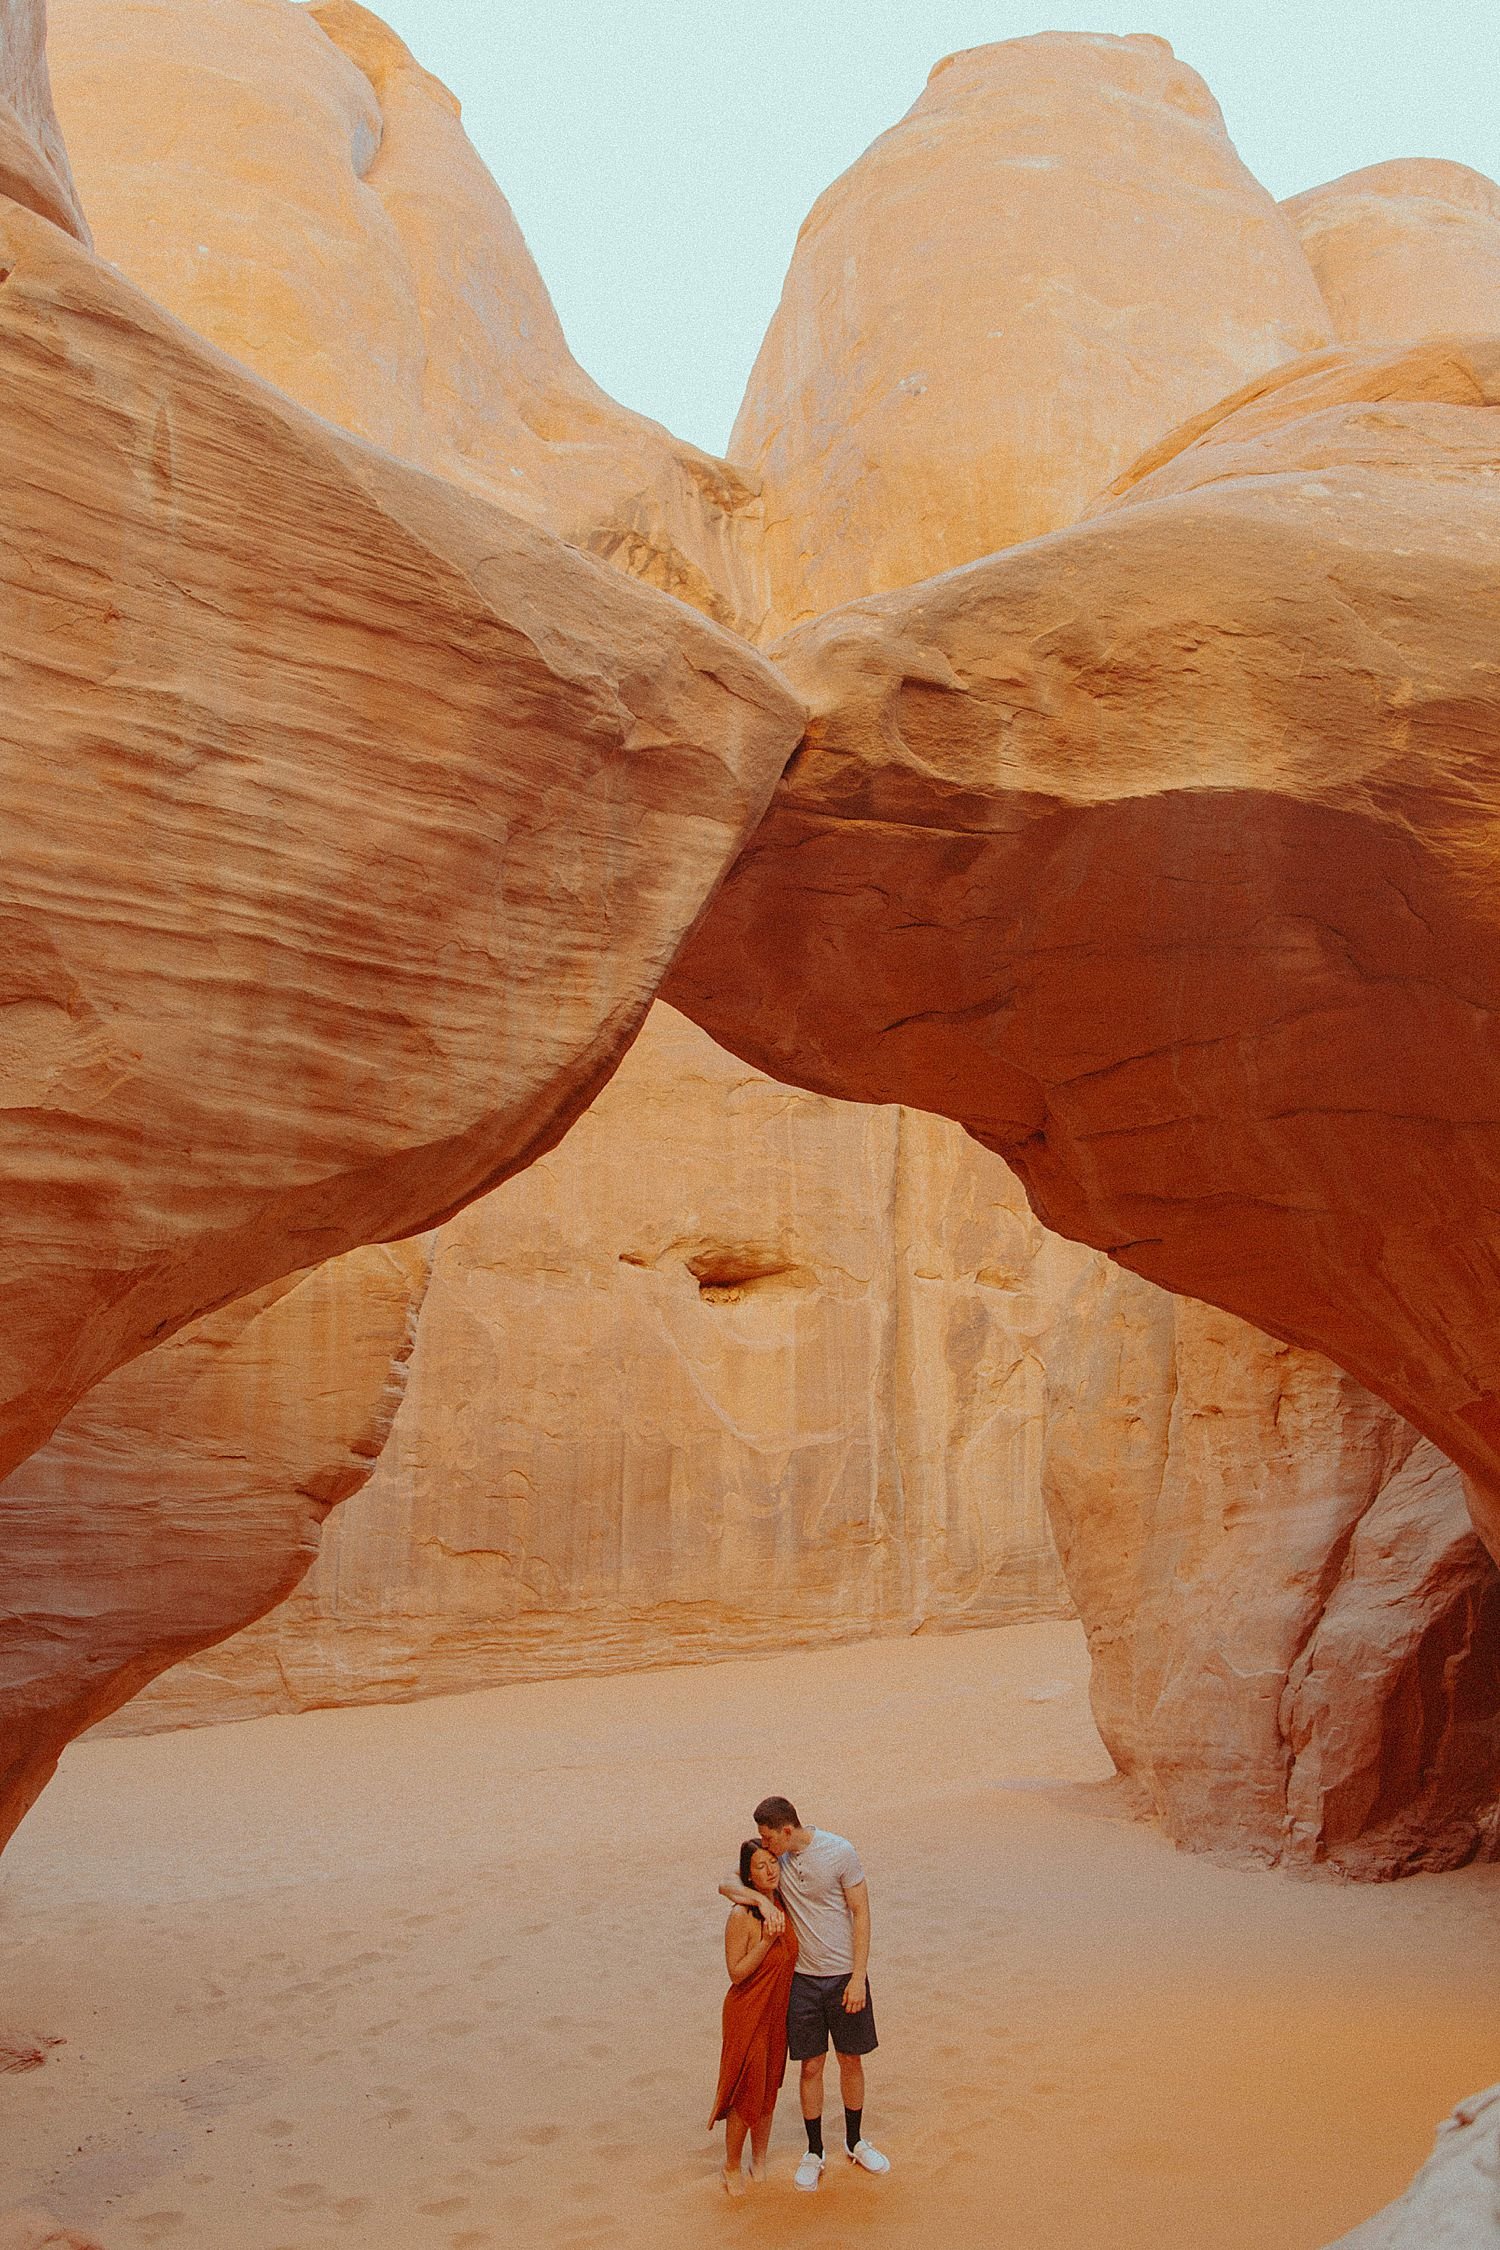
(661, 154)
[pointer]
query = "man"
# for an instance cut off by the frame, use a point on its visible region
(828, 1900)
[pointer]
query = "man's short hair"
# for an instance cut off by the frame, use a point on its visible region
(776, 1812)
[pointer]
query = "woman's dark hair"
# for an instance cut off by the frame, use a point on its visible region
(748, 1850)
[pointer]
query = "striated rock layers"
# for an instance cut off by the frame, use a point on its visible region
(734, 1367)
(293, 185)
(1404, 250)
(384, 813)
(1295, 1629)
(183, 1495)
(1160, 852)
(1454, 2201)
(1054, 257)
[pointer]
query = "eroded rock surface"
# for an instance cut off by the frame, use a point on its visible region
(293, 185)
(1295, 1629)
(1404, 250)
(183, 1496)
(34, 169)
(732, 1368)
(1051, 260)
(1160, 852)
(1454, 2201)
(351, 825)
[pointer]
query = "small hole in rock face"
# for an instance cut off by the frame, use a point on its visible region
(726, 1276)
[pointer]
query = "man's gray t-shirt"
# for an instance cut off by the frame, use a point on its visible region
(812, 1884)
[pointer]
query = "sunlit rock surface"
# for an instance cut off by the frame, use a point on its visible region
(294, 186)
(1050, 260)
(1404, 250)
(733, 1368)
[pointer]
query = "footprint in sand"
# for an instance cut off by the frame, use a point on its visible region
(541, 2136)
(303, 2195)
(448, 2207)
(456, 2030)
(460, 2128)
(276, 2128)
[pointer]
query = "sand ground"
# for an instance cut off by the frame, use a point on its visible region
(448, 1974)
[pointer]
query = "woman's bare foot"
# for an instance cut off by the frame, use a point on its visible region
(734, 2182)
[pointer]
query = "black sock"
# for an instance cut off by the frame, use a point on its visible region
(852, 2121)
(814, 2134)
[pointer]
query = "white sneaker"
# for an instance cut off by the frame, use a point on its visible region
(867, 2158)
(810, 2173)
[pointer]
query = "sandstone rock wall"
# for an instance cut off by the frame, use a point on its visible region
(1295, 1629)
(733, 1368)
(183, 1495)
(351, 822)
(1404, 250)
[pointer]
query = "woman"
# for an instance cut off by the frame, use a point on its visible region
(753, 2061)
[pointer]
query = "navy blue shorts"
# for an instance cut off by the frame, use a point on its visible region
(815, 2013)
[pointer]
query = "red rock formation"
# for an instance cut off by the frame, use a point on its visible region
(1160, 852)
(34, 169)
(352, 823)
(183, 1496)
(1295, 1630)
(1404, 250)
(1053, 258)
(329, 223)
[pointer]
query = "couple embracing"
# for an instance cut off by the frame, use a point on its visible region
(796, 1947)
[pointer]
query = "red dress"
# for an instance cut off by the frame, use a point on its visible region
(753, 2061)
